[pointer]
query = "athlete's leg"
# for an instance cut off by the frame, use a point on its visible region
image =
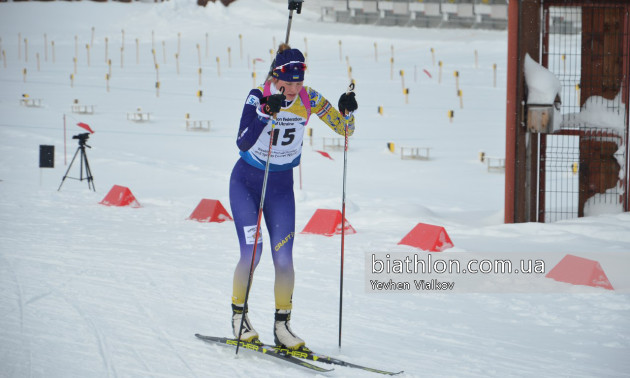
(279, 213)
(245, 189)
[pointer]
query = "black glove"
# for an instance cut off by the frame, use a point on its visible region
(347, 103)
(272, 104)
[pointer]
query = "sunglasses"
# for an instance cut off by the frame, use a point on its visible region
(291, 66)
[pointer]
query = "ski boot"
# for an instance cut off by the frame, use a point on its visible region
(282, 334)
(248, 333)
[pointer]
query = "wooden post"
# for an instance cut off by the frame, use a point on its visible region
(391, 69)
(240, 44)
(456, 74)
(340, 53)
(375, 52)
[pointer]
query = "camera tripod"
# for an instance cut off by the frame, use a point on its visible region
(84, 164)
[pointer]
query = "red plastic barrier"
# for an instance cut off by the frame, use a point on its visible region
(327, 222)
(428, 238)
(120, 196)
(580, 271)
(209, 210)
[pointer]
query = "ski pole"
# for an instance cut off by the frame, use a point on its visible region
(258, 223)
(343, 210)
(293, 5)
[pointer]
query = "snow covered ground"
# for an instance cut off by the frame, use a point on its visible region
(88, 290)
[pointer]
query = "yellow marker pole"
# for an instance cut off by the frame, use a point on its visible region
(340, 52)
(106, 49)
(494, 79)
(254, 79)
(24, 74)
(380, 110)
(240, 45)
(406, 91)
(391, 70)
(461, 98)
(218, 67)
(199, 54)
(456, 74)
(109, 66)
(402, 79)
(433, 56)
(177, 62)
(52, 43)
(157, 89)
(375, 52)
(74, 60)
(476, 59)
(87, 50)
(391, 147)
(440, 72)
(26, 50)
(200, 75)
(451, 115)
(106, 80)
(578, 91)
(199, 94)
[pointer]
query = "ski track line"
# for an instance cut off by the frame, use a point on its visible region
(18, 291)
(159, 332)
(21, 306)
(102, 344)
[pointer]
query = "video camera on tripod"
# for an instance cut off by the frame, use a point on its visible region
(82, 138)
